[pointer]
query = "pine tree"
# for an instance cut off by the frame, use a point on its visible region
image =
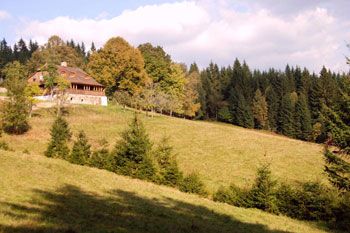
(16, 110)
(273, 106)
(132, 154)
(169, 173)
(338, 167)
(260, 110)
(60, 136)
(286, 117)
(81, 151)
(302, 119)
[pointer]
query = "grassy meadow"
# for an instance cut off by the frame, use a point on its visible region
(220, 153)
(38, 194)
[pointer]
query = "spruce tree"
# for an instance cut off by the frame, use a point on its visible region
(262, 194)
(169, 173)
(338, 166)
(286, 117)
(60, 136)
(81, 151)
(16, 110)
(302, 119)
(132, 156)
(273, 106)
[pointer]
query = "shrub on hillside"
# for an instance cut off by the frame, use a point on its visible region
(342, 214)
(232, 195)
(101, 157)
(262, 195)
(81, 151)
(310, 201)
(60, 136)
(193, 184)
(132, 155)
(169, 173)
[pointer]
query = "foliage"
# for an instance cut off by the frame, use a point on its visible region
(60, 136)
(54, 52)
(31, 91)
(16, 111)
(118, 66)
(169, 172)
(260, 110)
(132, 155)
(81, 150)
(302, 119)
(262, 194)
(310, 201)
(157, 62)
(193, 184)
(101, 157)
(191, 103)
(286, 117)
(232, 195)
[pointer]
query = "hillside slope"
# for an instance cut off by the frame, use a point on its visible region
(221, 153)
(38, 194)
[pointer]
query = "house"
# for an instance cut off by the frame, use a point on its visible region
(83, 88)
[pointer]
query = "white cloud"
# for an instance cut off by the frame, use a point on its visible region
(201, 31)
(4, 15)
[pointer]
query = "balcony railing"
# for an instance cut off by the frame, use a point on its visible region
(86, 92)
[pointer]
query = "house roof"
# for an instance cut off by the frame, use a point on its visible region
(77, 76)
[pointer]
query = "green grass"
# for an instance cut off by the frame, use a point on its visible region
(220, 153)
(38, 194)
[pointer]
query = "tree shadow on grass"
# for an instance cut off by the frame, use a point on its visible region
(72, 210)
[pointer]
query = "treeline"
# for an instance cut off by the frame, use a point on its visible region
(289, 102)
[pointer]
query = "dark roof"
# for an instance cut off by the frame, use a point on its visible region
(77, 76)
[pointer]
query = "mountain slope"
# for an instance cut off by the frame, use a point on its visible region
(220, 153)
(39, 194)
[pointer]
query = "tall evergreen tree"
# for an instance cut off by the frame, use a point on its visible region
(286, 117)
(273, 106)
(302, 119)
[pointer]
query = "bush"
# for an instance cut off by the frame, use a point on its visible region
(310, 201)
(193, 184)
(232, 195)
(169, 173)
(101, 157)
(342, 214)
(60, 135)
(81, 151)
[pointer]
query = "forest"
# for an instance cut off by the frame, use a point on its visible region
(294, 102)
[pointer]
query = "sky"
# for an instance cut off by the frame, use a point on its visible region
(264, 33)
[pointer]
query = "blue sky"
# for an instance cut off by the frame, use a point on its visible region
(265, 33)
